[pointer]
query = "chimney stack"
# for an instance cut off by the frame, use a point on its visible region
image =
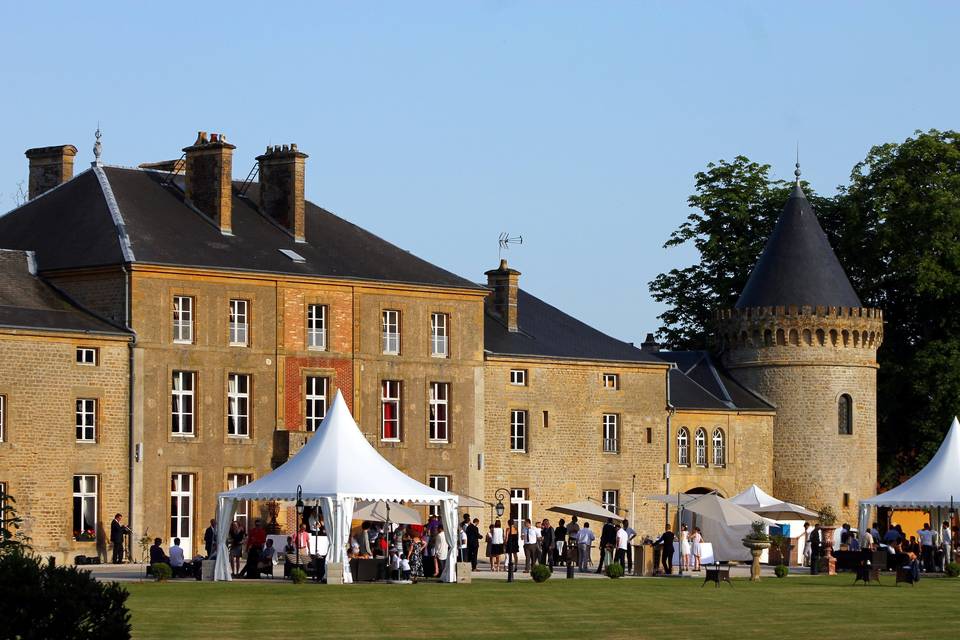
(49, 167)
(209, 178)
(650, 344)
(282, 172)
(505, 283)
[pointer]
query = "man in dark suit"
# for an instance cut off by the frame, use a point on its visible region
(608, 540)
(546, 543)
(816, 548)
(117, 532)
(473, 542)
(210, 538)
(665, 541)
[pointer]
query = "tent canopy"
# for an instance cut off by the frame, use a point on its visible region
(338, 462)
(586, 509)
(337, 467)
(724, 511)
(759, 501)
(934, 486)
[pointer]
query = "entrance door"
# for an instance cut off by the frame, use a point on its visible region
(181, 511)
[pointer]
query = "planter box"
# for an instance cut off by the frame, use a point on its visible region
(464, 575)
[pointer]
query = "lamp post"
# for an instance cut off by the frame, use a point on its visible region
(296, 534)
(500, 494)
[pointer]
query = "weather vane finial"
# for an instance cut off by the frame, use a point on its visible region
(796, 171)
(97, 148)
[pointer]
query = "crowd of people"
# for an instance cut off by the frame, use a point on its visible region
(931, 549)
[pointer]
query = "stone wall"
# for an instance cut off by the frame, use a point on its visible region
(564, 460)
(39, 455)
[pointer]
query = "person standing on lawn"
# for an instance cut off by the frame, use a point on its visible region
(117, 534)
(585, 538)
(926, 546)
(473, 542)
(559, 541)
(666, 555)
(623, 543)
(546, 543)
(816, 543)
(210, 538)
(608, 541)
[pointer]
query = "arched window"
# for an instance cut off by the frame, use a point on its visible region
(683, 447)
(719, 448)
(701, 445)
(845, 415)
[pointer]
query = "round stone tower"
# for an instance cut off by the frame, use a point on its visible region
(800, 338)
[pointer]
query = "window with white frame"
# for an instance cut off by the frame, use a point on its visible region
(611, 381)
(611, 432)
(700, 443)
(181, 506)
(182, 319)
(391, 332)
(439, 414)
(683, 447)
(518, 430)
(390, 410)
(317, 327)
(87, 355)
(611, 500)
(238, 405)
(315, 397)
(235, 481)
(239, 323)
(719, 448)
(440, 483)
(85, 507)
(86, 420)
(182, 405)
(438, 335)
(518, 377)
(3, 418)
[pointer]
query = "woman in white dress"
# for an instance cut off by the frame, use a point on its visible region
(695, 541)
(684, 548)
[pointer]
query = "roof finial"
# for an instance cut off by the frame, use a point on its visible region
(97, 148)
(796, 171)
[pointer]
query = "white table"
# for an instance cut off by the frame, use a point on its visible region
(706, 554)
(315, 542)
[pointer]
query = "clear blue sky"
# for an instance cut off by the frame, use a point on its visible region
(439, 125)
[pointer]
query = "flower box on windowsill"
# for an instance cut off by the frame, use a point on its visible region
(86, 536)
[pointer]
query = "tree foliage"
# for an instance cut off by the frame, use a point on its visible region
(896, 230)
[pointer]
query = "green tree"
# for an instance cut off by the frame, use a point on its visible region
(735, 205)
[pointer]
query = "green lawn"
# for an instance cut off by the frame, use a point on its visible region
(823, 607)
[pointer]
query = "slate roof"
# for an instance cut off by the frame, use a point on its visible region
(27, 302)
(705, 385)
(798, 266)
(545, 331)
(75, 225)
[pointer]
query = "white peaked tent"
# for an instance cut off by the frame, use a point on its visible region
(335, 468)
(934, 486)
(753, 497)
(759, 501)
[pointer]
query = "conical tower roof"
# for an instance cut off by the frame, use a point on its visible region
(798, 265)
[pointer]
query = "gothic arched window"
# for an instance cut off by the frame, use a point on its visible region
(845, 415)
(719, 448)
(683, 447)
(701, 445)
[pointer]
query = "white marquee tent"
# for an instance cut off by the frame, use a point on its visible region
(335, 468)
(759, 501)
(933, 487)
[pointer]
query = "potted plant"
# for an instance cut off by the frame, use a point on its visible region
(86, 535)
(827, 518)
(757, 541)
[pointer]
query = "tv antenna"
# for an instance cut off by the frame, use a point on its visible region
(505, 241)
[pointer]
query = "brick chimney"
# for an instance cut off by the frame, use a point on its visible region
(502, 301)
(209, 175)
(49, 167)
(282, 174)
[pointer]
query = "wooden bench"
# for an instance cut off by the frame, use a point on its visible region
(716, 574)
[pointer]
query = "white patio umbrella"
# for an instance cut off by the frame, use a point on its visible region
(585, 509)
(383, 511)
(716, 508)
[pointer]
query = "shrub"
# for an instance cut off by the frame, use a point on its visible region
(161, 571)
(44, 601)
(298, 576)
(827, 516)
(953, 569)
(781, 570)
(540, 572)
(614, 570)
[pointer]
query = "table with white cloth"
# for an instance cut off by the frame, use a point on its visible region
(316, 542)
(706, 554)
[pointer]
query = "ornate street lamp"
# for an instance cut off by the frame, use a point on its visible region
(500, 494)
(296, 535)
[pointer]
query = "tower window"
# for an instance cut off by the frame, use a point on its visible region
(845, 415)
(700, 442)
(683, 447)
